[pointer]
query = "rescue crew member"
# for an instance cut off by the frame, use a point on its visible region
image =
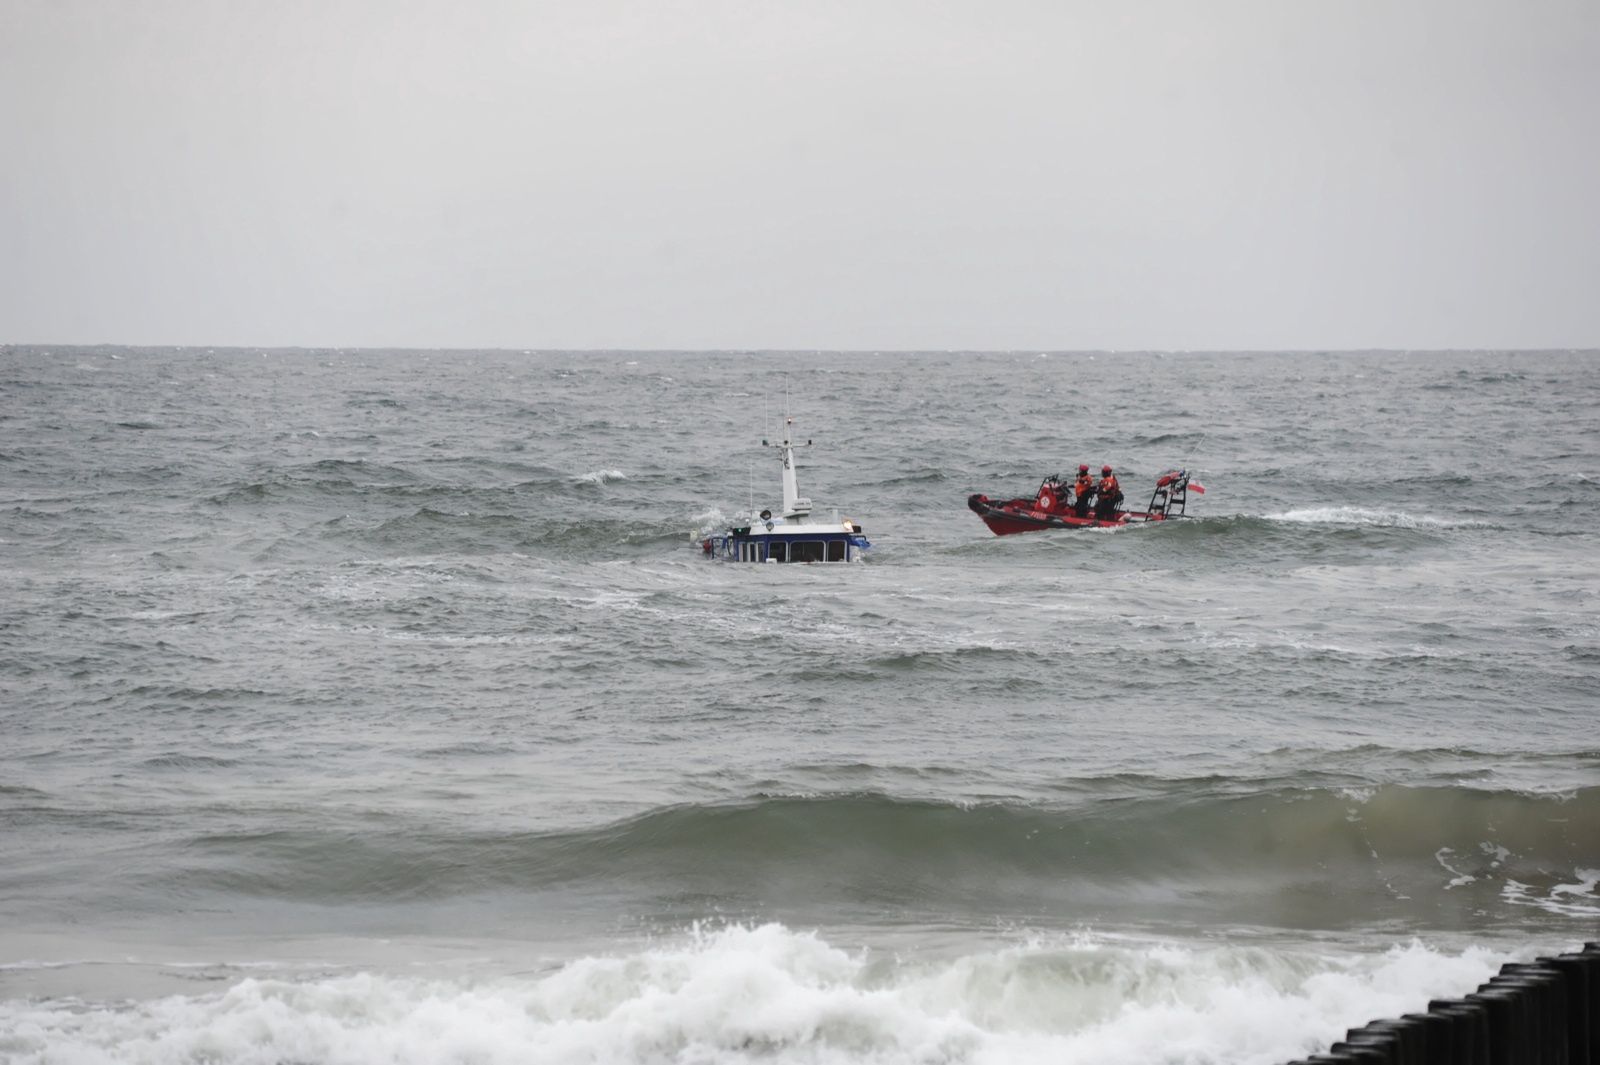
(1110, 495)
(1082, 489)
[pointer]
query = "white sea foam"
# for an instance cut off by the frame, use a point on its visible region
(767, 994)
(1444, 855)
(600, 477)
(1580, 899)
(1389, 519)
(1588, 882)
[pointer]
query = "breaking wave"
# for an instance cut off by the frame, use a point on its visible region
(767, 993)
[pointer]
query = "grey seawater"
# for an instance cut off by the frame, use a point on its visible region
(340, 666)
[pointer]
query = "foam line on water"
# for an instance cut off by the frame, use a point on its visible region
(1580, 899)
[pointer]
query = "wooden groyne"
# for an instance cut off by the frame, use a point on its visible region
(1543, 1012)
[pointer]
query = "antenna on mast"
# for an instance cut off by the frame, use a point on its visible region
(1194, 448)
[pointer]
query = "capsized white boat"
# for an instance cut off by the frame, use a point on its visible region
(789, 535)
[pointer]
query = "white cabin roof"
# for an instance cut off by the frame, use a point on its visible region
(777, 526)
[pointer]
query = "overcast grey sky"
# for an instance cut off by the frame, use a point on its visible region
(810, 173)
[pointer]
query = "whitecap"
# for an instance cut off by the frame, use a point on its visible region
(600, 477)
(1388, 519)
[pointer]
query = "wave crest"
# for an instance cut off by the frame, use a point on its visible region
(1291, 857)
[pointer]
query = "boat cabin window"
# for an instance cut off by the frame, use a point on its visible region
(778, 551)
(836, 550)
(806, 551)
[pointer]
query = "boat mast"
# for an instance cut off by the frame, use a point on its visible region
(793, 505)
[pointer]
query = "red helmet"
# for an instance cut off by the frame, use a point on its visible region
(1083, 467)
(1105, 469)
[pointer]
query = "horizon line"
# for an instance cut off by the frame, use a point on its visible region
(518, 350)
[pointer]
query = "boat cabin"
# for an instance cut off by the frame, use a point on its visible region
(815, 543)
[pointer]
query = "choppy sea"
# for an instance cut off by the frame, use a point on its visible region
(368, 706)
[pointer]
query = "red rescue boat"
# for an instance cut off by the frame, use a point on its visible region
(1052, 507)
